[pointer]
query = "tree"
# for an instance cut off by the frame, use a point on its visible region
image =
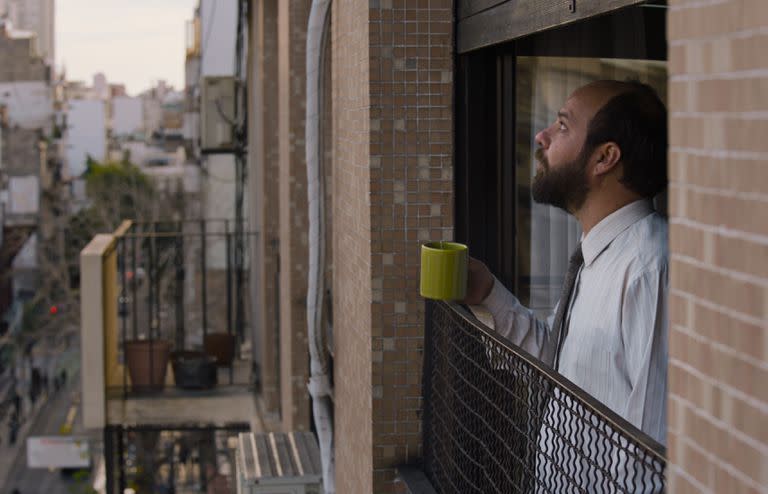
(116, 191)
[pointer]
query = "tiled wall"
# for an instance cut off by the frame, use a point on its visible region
(393, 169)
(718, 54)
(292, 19)
(411, 182)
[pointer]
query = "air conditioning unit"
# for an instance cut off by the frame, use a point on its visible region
(278, 463)
(218, 115)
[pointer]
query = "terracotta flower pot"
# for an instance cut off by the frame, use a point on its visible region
(221, 346)
(194, 370)
(147, 361)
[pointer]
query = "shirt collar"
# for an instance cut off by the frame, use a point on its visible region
(611, 226)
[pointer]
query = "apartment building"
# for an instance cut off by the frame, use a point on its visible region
(417, 120)
(38, 17)
(428, 112)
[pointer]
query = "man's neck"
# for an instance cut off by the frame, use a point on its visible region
(595, 209)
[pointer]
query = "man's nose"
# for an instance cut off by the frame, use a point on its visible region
(542, 139)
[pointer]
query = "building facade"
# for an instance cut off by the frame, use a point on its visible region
(37, 16)
(387, 94)
(416, 95)
(25, 82)
(421, 128)
(85, 134)
(127, 116)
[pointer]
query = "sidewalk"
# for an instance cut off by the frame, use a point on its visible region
(9, 452)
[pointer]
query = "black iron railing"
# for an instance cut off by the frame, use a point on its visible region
(496, 420)
(151, 458)
(181, 288)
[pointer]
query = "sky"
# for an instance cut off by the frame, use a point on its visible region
(133, 42)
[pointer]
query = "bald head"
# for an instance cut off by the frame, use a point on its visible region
(631, 115)
(595, 95)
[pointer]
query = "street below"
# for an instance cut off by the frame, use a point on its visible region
(62, 409)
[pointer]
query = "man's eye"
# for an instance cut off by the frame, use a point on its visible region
(562, 126)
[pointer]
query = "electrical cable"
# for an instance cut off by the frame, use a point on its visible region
(240, 135)
(209, 28)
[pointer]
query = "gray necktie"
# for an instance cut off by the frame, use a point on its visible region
(558, 326)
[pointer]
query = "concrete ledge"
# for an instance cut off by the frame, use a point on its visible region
(219, 409)
(411, 480)
(92, 329)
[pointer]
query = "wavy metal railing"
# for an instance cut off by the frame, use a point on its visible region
(496, 420)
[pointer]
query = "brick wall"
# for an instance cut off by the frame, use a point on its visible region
(718, 54)
(393, 172)
(292, 19)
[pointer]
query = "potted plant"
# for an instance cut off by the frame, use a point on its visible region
(194, 370)
(221, 346)
(147, 361)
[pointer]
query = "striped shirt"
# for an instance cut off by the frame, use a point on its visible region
(616, 345)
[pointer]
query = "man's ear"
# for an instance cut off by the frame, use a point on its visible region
(607, 157)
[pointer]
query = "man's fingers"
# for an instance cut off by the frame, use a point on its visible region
(479, 281)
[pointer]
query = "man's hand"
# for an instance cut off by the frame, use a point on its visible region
(479, 282)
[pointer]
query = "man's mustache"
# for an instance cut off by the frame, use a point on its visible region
(541, 158)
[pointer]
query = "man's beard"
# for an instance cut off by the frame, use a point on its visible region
(564, 187)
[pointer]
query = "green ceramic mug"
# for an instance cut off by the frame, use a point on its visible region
(444, 270)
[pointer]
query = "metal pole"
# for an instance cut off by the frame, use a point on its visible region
(229, 288)
(121, 457)
(228, 243)
(203, 256)
(150, 283)
(123, 311)
(154, 282)
(171, 465)
(179, 288)
(134, 283)
(122, 306)
(239, 247)
(109, 460)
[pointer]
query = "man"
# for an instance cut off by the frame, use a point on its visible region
(602, 160)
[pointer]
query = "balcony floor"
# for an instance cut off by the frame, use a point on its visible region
(225, 404)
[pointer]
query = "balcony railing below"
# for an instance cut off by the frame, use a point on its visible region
(183, 284)
(164, 321)
(496, 420)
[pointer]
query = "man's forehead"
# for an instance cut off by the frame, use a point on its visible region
(574, 111)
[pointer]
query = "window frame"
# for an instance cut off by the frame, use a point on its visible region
(485, 190)
(484, 23)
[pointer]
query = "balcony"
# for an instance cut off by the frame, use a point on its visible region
(166, 339)
(497, 420)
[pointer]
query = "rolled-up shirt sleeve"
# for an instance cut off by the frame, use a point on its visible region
(519, 324)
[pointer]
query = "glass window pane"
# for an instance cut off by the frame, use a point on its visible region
(547, 235)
